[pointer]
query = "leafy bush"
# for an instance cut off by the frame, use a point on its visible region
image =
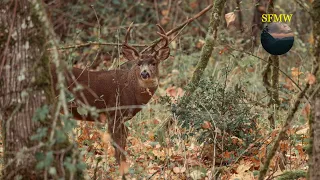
(214, 110)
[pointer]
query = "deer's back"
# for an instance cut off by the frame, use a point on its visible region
(108, 89)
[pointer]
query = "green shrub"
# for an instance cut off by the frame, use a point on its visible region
(215, 110)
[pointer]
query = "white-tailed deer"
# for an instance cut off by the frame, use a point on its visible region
(119, 88)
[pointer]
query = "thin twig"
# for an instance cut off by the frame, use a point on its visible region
(248, 53)
(93, 44)
(98, 21)
(172, 31)
(304, 6)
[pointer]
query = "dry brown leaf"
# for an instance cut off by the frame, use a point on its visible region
(102, 118)
(236, 140)
(164, 21)
(206, 125)
(303, 131)
(306, 110)
(196, 174)
(160, 154)
(295, 72)
(311, 40)
(194, 4)
(230, 18)
(165, 12)
(289, 84)
(200, 43)
(156, 121)
(262, 9)
(123, 168)
(244, 166)
(311, 79)
(250, 69)
(178, 170)
(151, 136)
(106, 138)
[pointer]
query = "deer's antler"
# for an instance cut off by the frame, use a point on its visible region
(165, 39)
(125, 43)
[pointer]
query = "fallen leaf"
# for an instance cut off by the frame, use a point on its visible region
(303, 131)
(124, 167)
(102, 117)
(295, 72)
(106, 138)
(230, 18)
(194, 4)
(151, 136)
(261, 9)
(165, 12)
(311, 79)
(196, 174)
(200, 43)
(306, 111)
(206, 125)
(243, 167)
(178, 170)
(164, 20)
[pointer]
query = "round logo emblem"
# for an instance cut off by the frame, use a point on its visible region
(277, 38)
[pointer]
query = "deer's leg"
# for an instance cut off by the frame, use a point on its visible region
(119, 136)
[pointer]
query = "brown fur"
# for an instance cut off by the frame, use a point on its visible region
(118, 88)
(107, 89)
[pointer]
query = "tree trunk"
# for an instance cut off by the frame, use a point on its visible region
(25, 86)
(314, 162)
(211, 37)
(25, 93)
(257, 25)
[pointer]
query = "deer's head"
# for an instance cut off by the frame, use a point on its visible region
(146, 64)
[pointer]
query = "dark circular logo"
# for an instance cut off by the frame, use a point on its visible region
(277, 38)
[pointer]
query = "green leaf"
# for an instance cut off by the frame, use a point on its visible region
(41, 132)
(116, 2)
(82, 111)
(81, 166)
(60, 136)
(46, 162)
(41, 113)
(39, 156)
(70, 166)
(69, 125)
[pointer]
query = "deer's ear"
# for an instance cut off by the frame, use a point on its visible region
(163, 54)
(130, 53)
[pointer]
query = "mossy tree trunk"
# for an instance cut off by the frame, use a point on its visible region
(25, 90)
(215, 19)
(25, 86)
(272, 88)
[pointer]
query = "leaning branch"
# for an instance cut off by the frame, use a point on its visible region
(94, 44)
(282, 133)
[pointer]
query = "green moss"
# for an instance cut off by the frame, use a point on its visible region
(42, 67)
(292, 175)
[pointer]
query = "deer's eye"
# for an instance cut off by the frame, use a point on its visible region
(139, 63)
(154, 64)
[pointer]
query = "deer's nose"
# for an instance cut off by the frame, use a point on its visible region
(144, 74)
